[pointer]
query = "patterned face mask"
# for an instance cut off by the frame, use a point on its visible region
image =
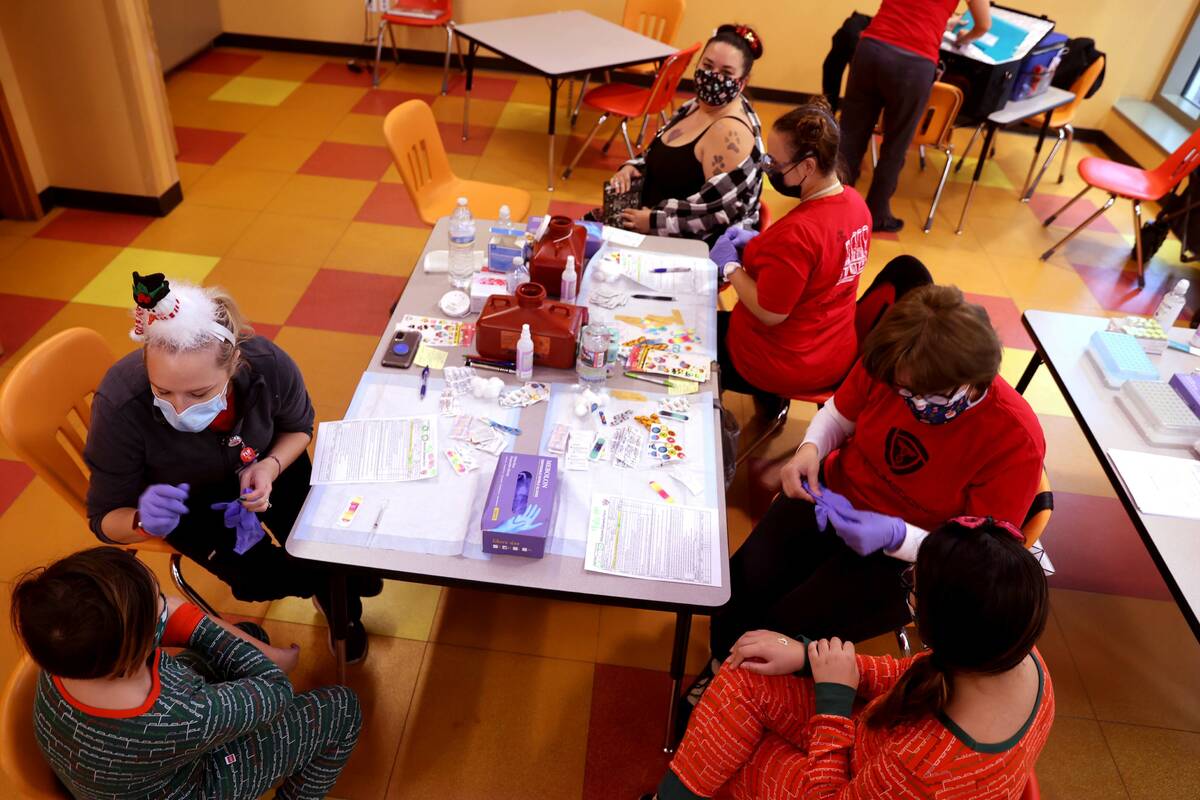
(715, 89)
(934, 409)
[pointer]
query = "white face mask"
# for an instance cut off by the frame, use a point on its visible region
(194, 418)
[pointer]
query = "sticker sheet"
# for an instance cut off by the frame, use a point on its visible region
(437, 332)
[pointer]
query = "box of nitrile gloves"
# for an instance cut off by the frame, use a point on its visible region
(518, 516)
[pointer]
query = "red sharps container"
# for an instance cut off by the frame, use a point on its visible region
(554, 326)
(562, 238)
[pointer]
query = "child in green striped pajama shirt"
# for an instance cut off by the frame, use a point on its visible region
(117, 717)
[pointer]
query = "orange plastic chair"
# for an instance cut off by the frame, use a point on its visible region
(1061, 119)
(1137, 185)
(656, 19)
(417, 14)
(934, 130)
(412, 136)
(20, 757)
(628, 101)
(45, 411)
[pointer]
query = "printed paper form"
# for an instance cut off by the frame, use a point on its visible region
(653, 540)
(375, 450)
(1162, 485)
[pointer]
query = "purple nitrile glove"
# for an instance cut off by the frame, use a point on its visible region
(723, 252)
(739, 236)
(161, 506)
(864, 532)
(249, 530)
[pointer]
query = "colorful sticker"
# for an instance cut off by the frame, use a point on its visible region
(351, 510)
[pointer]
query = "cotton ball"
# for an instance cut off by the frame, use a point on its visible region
(479, 386)
(601, 400)
(607, 271)
(581, 408)
(588, 397)
(494, 387)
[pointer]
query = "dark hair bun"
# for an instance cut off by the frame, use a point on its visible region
(747, 34)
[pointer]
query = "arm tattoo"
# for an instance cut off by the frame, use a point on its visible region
(733, 141)
(718, 162)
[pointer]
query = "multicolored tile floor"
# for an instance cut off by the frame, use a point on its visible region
(292, 203)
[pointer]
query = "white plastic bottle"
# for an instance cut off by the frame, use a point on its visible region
(518, 275)
(1172, 304)
(566, 293)
(591, 364)
(505, 245)
(462, 246)
(525, 355)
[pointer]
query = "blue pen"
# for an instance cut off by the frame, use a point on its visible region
(504, 428)
(661, 270)
(424, 381)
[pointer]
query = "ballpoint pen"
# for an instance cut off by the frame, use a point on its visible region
(653, 297)
(662, 270)
(492, 367)
(424, 380)
(379, 516)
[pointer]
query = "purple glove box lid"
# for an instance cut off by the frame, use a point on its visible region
(518, 515)
(1187, 386)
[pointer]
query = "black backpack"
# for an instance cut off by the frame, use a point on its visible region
(1081, 54)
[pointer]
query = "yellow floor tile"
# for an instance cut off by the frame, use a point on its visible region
(359, 129)
(255, 91)
(325, 97)
(1070, 461)
(39, 527)
(189, 175)
(265, 292)
(331, 363)
(111, 323)
(482, 112)
(237, 117)
(1046, 285)
(195, 229)
(284, 66)
(1154, 762)
(516, 624)
(413, 78)
(186, 85)
(403, 611)
(318, 196)
(1070, 696)
(1076, 762)
(288, 239)
(261, 151)
(228, 186)
(631, 637)
(10, 649)
(993, 175)
(535, 117)
(382, 249)
(392, 175)
(1042, 395)
(494, 725)
(111, 286)
(52, 268)
(303, 122)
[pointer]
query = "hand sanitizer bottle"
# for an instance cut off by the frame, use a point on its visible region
(567, 293)
(525, 355)
(1172, 304)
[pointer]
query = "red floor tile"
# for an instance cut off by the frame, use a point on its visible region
(484, 88)
(221, 63)
(1095, 548)
(1043, 205)
(338, 160)
(390, 204)
(1112, 279)
(202, 146)
(891, 237)
(20, 318)
(351, 302)
(95, 227)
(381, 101)
(569, 209)
(337, 73)
(477, 138)
(266, 329)
(14, 477)
(594, 157)
(1006, 319)
(625, 732)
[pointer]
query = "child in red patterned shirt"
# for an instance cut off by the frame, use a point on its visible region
(966, 719)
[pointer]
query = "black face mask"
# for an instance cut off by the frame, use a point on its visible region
(776, 179)
(715, 89)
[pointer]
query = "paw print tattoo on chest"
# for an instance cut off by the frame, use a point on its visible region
(733, 141)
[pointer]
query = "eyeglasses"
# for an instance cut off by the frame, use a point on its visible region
(979, 522)
(772, 165)
(933, 399)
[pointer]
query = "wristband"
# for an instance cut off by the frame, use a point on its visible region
(278, 464)
(729, 269)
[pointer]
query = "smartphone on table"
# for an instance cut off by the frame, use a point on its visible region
(402, 349)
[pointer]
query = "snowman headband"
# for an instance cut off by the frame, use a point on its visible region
(181, 316)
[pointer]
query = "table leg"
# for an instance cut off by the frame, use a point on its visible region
(983, 156)
(1037, 154)
(683, 629)
(553, 121)
(472, 49)
(339, 622)
(1031, 369)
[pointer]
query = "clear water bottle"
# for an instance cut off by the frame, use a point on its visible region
(591, 364)
(1172, 304)
(462, 246)
(506, 244)
(518, 275)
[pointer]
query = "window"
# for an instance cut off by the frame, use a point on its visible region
(1179, 94)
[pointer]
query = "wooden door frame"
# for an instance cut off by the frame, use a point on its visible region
(18, 196)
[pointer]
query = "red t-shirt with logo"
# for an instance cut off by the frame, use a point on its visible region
(806, 265)
(985, 462)
(915, 25)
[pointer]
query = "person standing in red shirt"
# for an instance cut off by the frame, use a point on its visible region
(792, 330)
(892, 73)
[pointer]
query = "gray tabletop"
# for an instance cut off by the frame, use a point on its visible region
(1173, 542)
(1017, 110)
(557, 575)
(565, 42)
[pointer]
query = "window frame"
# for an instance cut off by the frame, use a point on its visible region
(1183, 72)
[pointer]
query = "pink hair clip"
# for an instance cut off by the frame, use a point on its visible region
(977, 522)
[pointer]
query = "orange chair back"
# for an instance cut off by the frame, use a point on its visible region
(667, 81)
(416, 144)
(1039, 512)
(46, 408)
(1179, 164)
(1064, 115)
(20, 757)
(938, 120)
(657, 19)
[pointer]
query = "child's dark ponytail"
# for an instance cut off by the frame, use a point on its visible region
(922, 691)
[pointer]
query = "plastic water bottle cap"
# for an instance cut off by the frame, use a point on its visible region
(1181, 286)
(462, 201)
(505, 212)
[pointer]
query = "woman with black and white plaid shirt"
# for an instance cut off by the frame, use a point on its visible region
(701, 175)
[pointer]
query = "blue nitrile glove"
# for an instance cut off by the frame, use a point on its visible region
(739, 236)
(161, 506)
(724, 252)
(249, 530)
(864, 532)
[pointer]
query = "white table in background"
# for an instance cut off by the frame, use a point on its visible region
(556, 577)
(1062, 341)
(558, 45)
